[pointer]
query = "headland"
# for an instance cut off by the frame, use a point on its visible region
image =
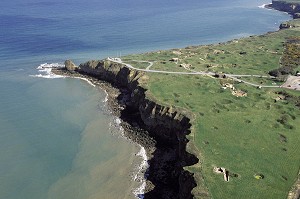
(227, 113)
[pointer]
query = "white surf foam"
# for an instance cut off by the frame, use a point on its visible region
(85, 79)
(140, 191)
(116, 128)
(139, 176)
(45, 71)
(118, 121)
(106, 96)
(139, 171)
(263, 6)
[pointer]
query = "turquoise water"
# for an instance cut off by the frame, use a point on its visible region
(55, 134)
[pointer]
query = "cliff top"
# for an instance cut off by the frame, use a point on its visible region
(245, 122)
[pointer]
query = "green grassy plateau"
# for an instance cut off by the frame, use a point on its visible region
(255, 134)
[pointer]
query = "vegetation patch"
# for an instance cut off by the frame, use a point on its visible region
(290, 59)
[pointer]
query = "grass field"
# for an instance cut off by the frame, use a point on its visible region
(256, 134)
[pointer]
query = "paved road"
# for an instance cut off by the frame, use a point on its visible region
(252, 84)
(159, 71)
(192, 72)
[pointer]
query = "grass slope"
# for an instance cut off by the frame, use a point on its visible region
(248, 135)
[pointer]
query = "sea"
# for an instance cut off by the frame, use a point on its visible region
(58, 138)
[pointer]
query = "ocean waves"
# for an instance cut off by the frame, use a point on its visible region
(45, 70)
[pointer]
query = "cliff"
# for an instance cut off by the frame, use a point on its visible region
(291, 7)
(166, 176)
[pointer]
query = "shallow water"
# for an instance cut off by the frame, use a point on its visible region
(55, 134)
(57, 142)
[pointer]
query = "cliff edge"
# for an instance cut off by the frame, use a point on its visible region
(168, 126)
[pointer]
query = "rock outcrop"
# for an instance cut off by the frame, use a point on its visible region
(285, 25)
(70, 66)
(167, 125)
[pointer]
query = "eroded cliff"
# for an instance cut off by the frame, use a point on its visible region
(166, 175)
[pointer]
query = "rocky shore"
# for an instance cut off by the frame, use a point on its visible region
(161, 130)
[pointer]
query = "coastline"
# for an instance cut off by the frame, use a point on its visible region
(161, 149)
(134, 134)
(132, 131)
(55, 70)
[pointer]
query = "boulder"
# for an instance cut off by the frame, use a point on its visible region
(285, 25)
(174, 59)
(70, 66)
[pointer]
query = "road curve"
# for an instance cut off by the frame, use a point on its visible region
(159, 71)
(232, 76)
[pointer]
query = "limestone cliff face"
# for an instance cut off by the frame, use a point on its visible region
(154, 116)
(112, 72)
(167, 125)
(284, 6)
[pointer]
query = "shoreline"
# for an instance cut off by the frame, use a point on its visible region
(133, 134)
(165, 146)
(146, 146)
(118, 107)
